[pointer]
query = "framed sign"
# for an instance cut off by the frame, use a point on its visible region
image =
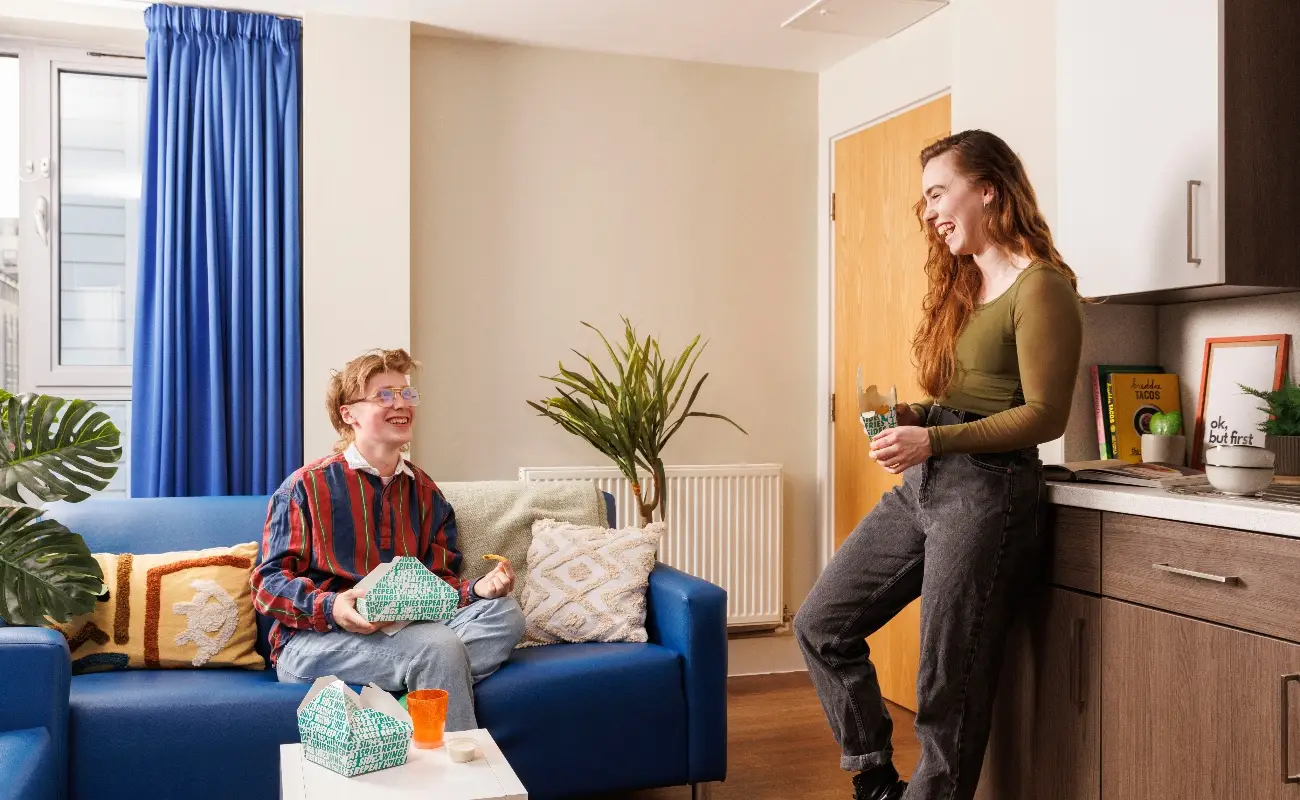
(1225, 414)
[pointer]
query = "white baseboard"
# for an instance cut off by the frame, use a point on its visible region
(762, 655)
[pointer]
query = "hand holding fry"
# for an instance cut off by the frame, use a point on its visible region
(500, 582)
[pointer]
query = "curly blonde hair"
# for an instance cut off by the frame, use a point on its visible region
(348, 385)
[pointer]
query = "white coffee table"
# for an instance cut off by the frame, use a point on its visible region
(426, 774)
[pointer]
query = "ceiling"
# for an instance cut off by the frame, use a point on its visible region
(741, 32)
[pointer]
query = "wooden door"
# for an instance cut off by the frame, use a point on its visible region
(1194, 710)
(879, 285)
(1136, 120)
(1046, 738)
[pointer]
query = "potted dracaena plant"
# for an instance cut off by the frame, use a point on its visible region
(54, 450)
(1282, 428)
(629, 414)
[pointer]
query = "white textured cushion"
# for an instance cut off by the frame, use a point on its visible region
(588, 584)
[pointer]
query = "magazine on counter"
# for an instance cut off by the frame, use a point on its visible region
(1160, 476)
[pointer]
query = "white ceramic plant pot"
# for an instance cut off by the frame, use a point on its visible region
(1160, 449)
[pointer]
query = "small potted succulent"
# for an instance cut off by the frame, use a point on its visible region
(1282, 428)
(1165, 444)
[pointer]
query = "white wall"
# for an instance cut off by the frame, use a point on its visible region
(913, 66)
(356, 227)
(70, 21)
(1004, 81)
(553, 187)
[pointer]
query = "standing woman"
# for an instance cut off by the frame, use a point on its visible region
(997, 353)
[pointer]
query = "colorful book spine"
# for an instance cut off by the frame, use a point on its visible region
(1103, 401)
(1100, 409)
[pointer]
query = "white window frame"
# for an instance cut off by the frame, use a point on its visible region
(38, 266)
(39, 271)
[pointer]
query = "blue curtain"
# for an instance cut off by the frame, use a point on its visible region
(217, 380)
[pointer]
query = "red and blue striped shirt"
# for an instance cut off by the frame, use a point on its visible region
(329, 524)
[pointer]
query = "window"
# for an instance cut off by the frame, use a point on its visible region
(71, 147)
(101, 135)
(10, 134)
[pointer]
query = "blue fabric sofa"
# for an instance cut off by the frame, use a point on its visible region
(572, 719)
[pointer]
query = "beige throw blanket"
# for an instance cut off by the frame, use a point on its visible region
(498, 516)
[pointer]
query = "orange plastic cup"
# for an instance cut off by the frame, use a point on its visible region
(428, 709)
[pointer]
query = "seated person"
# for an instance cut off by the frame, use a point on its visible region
(334, 520)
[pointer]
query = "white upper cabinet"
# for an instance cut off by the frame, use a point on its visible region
(1139, 144)
(1177, 123)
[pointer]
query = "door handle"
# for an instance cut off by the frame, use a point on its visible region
(1284, 732)
(1192, 258)
(41, 218)
(1205, 576)
(1078, 679)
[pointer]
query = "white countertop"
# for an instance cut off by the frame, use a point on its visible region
(1223, 512)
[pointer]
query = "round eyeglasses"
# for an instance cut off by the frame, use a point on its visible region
(387, 397)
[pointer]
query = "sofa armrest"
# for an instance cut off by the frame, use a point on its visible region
(688, 615)
(35, 675)
(26, 762)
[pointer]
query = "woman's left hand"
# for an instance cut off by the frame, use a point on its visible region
(896, 449)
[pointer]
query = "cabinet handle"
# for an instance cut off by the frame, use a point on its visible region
(1205, 576)
(1285, 729)
(1078, 680)
(1191, 217)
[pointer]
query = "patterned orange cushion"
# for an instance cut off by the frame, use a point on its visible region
(185, 609)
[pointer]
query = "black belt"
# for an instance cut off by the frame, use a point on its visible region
(962, 415)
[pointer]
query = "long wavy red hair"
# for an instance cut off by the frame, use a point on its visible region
(1012, 221)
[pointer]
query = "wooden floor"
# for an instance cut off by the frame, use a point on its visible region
(780, 746)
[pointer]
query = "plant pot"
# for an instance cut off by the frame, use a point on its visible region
(1164, 449)
(1287, 450)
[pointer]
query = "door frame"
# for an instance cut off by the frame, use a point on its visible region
(826, 333)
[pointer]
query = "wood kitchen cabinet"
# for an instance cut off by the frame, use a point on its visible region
(1046, 733)
(1193, 710)
(1162, 660)
(1176, 122)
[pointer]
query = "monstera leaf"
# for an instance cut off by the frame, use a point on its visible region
(56, 450)
(55, 456)
(45, 569)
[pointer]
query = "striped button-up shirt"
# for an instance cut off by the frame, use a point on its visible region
(333, 521)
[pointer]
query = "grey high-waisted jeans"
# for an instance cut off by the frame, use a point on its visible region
(962, 533)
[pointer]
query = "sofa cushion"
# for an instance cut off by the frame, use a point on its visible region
(582, 718)
(587, 583)
(571, 718)
(189, 608)
(182, 733)
(163, 524)
(498, 516)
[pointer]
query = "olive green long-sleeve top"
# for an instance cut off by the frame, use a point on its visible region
(1016, 365)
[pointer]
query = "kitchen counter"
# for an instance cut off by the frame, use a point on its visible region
(1242, 514)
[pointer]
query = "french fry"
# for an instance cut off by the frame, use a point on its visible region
(495, 557)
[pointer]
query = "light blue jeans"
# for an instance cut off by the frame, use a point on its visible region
(453, 655)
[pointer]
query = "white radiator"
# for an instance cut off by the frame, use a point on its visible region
(724, 525)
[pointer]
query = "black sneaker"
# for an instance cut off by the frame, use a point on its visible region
(880, 783)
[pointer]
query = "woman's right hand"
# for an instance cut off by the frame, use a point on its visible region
(907, 415)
